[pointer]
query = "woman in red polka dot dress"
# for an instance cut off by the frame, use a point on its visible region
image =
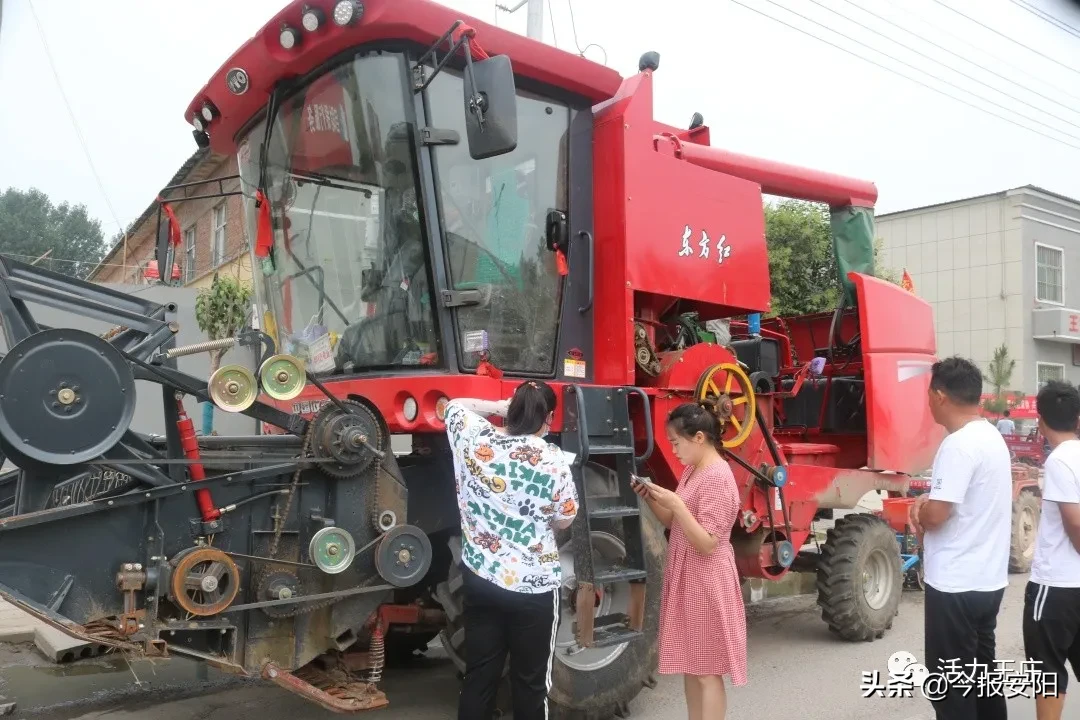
(702, 618)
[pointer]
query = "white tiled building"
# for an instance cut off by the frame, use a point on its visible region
(997, 268)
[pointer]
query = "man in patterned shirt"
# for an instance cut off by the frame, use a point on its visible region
(514, 490)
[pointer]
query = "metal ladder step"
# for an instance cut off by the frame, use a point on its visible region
(598, 424)
(613, 511)
(607, 637)
(610, 449)
(613, 629)
(621, 575)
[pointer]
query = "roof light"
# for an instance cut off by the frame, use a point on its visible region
(312, 19)
(208, 112)
(198, 123)
(289, 37)
(346, 12)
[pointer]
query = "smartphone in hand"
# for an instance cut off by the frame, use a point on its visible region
(640, 485)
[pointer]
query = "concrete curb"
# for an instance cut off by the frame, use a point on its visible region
(17, 626)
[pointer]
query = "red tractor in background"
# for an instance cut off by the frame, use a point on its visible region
(1027, 508)
(1031, 449)
(440, 208)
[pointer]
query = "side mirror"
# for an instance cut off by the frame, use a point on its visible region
(491, 107)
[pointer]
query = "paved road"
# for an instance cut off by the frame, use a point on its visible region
(794, 663)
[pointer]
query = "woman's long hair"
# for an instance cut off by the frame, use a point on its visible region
(530, 406)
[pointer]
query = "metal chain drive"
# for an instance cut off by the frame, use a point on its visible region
(279, 527)
(305, 608)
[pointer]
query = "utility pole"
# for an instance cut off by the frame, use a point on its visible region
(535, 21)
(535, 27)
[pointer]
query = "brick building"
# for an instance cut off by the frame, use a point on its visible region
(212, 230)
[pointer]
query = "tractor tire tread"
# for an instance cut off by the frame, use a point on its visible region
(1026, 499)
(837, 578)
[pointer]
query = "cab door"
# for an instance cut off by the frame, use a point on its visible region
(493, 214)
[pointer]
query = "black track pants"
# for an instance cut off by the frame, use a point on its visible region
(500, 622)
(961, 627)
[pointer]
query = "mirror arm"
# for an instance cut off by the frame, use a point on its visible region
(477, 104)
(420, 83)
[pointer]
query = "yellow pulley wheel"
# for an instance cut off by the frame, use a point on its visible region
(727, 392)
(233, 388)
(282, 377)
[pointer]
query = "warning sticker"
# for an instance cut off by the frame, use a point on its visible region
(573, 368)
(779, 505)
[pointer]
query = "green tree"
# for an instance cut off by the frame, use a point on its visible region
(31, 225)
(221, 311)
(802, 265)
(999, 376)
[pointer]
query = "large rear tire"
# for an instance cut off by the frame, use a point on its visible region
(597, 683)
(859, 581)
(1025, 523)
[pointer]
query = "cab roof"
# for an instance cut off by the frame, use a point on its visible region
(264, 62)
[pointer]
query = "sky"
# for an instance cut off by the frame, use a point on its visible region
(128, 69)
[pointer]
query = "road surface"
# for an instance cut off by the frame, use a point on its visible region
(794, 663)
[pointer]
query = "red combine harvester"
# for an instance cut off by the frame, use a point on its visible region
(441, 208)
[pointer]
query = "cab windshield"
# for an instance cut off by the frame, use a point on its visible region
(346, 285)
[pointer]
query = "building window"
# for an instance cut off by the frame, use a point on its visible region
(189, 254)
(1050, 276)
(1045, 372)
(218, 238)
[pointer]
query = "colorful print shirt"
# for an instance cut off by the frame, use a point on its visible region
(510, 489)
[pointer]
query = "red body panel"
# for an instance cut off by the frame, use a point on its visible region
(422, 21)
(388, 394)
(898, 352)
(713, 220)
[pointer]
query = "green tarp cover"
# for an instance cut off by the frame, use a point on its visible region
(853, 244)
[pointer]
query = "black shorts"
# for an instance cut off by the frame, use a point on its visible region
(1052, 631)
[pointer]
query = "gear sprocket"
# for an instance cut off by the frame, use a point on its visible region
(280, 585)
(345, 438)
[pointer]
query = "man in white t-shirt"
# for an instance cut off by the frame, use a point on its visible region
(1052, 596)
(966, 523)
(1005, 425)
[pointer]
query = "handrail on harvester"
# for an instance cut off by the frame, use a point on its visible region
(775, 178)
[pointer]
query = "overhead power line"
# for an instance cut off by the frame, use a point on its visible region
(958, 72)
(1001, 61)
(573, 25)
(551, 18)
(897, 72)
(972, 62)
(71, 113)
(1047, 17)
(918, 69)
(1001, 34)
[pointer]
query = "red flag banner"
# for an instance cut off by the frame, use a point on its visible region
(906, 283)
(264, 233)
(174, 224)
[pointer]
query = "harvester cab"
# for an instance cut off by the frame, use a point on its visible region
(439, 208)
